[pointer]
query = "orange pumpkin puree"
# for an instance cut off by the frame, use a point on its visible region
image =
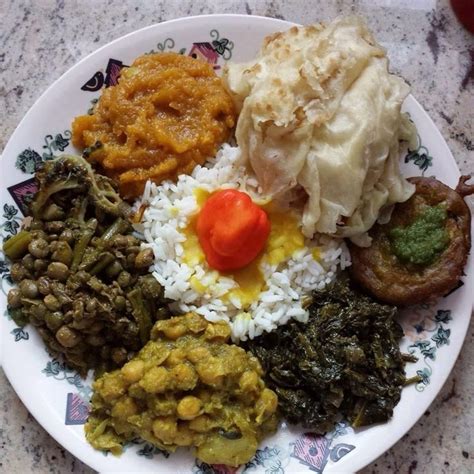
(167, 114)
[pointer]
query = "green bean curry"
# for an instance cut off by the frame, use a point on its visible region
(82, 279)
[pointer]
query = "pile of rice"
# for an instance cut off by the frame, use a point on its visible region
(170, 208)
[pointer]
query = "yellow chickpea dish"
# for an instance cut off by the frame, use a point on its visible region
(187, 387)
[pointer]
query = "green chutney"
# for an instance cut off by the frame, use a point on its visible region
(421, 242)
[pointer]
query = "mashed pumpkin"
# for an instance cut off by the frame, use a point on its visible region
(168, 113)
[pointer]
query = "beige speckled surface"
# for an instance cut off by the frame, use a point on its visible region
(41, 39)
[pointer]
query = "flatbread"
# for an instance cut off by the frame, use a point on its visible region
(319, 110)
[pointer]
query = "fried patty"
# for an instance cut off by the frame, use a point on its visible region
(383, 275)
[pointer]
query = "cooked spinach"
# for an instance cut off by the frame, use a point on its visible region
(345, 362)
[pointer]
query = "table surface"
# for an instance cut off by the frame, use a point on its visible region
(42, 39)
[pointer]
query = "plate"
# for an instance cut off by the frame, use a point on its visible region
(57, 397)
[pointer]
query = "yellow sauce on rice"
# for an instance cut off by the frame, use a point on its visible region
(285, 239)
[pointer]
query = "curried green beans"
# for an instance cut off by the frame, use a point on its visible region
(141, 313)
(17, 246)
(120, 226)
(81, 278)
(82, 243)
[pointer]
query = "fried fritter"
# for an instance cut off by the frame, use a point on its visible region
(436, 225)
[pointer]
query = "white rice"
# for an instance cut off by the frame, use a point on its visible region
(170, 207)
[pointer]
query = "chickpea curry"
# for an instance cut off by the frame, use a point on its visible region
(187, 387)
(167, 114)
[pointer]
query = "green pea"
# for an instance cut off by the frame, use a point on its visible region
(54, 320)
(39, 248)
(14, 298)
(28, 289)
(58, 271)
(67, 337)
(52, 303)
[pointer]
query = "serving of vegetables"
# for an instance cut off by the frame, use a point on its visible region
(345, 361)
(187, 387)
(82, 279)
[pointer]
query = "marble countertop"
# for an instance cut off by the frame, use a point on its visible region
(42, 39)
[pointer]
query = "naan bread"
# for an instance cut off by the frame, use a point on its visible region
(319, 110)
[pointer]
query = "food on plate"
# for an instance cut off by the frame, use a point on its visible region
(243, 241)
(81, 277)
(232, 229)
(421, 252)
(264, 294)
(187, 387)
(320, 112)
(344, 362)
(74, 174)
(168, 113)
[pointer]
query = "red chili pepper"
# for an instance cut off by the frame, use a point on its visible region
(232, 230)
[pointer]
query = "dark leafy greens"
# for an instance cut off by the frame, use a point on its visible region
(344, 363)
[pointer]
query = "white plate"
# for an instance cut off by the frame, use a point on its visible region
(57, 397)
